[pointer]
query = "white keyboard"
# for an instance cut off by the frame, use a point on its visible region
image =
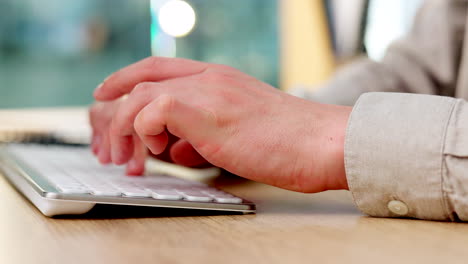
(62, 175)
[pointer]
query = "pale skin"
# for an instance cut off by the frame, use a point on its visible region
(220, 116)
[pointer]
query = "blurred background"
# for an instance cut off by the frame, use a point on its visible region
(54, 52)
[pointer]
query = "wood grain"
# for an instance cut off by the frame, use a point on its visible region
(288, 228)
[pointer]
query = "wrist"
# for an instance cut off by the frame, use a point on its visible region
(336, 173)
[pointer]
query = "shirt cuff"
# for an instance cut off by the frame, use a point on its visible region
(394, 154)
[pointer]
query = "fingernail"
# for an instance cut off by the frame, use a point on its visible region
(98, 88)
(96, 144)
(131, 165)
(103, 156)
(116, 157)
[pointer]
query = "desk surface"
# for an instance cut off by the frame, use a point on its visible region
(288, 228)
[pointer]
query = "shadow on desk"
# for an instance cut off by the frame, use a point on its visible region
(104, 211)
(273, 200)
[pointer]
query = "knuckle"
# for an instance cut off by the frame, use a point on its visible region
(166, 103)
(213, 77)
(226, 68)
(141, 88)
(138, 126)
(114, 128)
(222, 80)
(143, 94)
(152, 63)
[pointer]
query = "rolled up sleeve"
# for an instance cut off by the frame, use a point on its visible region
(406, 155)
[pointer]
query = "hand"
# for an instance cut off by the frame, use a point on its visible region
(100, 116)
(178, 151)
(231, 119)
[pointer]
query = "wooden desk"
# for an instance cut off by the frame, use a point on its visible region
(288, 228)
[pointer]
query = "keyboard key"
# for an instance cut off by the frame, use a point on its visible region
(166, 194)
(74, 190)
(234, 200)
(106, 192)
(195, 196)
(222, 197)
(135, 193)
(76, 171)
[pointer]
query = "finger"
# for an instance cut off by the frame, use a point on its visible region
(143, 94)
(97, 116)
(104, 150)
(96, 142)
(136, 165)
(123, 120)
(99, 121)
(151, 69)
(166, 156)
(183, 153)
(121, 148)
(184, 121)
(94, 138)
(158, 142)
(121, 128)
(91, 116)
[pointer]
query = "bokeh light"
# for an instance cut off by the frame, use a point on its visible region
(177, 18)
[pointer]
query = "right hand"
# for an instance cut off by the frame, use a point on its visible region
(233, 120)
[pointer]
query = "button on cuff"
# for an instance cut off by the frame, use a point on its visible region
(398, 207)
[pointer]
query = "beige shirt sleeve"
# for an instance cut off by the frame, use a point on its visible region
(406, 154)
(425, 61)
(412, 149)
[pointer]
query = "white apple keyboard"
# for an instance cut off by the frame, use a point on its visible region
(60, 179)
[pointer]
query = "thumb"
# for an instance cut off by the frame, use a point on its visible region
(191, 123)
(183, 153)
